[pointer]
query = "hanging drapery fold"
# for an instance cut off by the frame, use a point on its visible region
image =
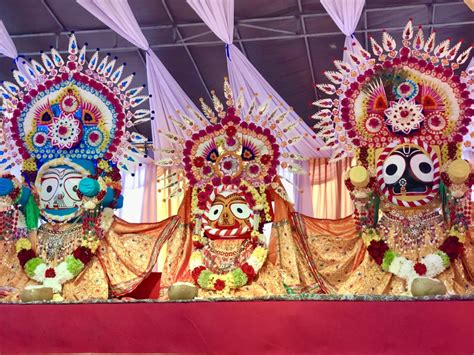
(166, 95)
(346, 15)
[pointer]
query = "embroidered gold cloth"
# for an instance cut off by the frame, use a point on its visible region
(286, 264)
(124, 258)
(345, 267)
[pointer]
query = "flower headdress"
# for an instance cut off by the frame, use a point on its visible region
(65, 108)
(411, 93)
(236, 146)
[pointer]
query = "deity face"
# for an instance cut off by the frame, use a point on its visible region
(229, 216)
(409, 174)
(57, 188)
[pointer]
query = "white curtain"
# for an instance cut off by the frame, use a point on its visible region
(167, 95)
(219, 16)
(346, 14)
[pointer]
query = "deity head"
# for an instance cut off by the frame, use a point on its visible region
(229, 216)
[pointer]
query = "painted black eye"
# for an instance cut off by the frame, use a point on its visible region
(49, 188)
(422, 167)
(74, 188)
(240, 210)
(393, 169)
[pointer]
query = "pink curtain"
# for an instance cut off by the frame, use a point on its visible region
(346, 14)
(167, 95)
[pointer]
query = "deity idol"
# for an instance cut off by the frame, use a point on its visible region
(405, 116)
(65, 123)
(230, 166)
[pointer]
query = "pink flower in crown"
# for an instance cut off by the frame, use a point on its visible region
(65, 131)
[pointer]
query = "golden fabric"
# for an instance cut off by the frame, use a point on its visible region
(124, 258)
(346, 268)
(286, 263)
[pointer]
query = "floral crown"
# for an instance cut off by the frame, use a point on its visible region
(414, 92)
(65, 108)
(238, 145)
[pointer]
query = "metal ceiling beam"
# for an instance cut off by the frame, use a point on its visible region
(191, 58)
(273, 38)
(308, 50)
(244, 21)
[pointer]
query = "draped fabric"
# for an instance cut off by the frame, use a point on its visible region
(330, 197)
(346, 15)
(219, 16)
(7, 47)
(166, 94)
(140, 197)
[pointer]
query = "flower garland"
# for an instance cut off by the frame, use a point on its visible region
(244, 273)
(430, 265)
(38, 270)
(236, 278)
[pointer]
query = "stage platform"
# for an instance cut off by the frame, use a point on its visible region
(323, 325)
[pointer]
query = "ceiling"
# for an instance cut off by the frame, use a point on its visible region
(289, 41)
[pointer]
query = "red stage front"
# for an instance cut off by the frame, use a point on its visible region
(329, 327)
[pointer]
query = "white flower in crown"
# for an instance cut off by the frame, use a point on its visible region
(404, 116)
(65, 131)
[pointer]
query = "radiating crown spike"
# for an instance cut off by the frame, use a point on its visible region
(117, 74)
(252, 105)
(322, 114)
(430, 42)
(21, 79)
(442, 48)
(365, 54)
(27, 70)
(125, 83)
(296, 169)
(218, 106)
(376, 48)
(462, 58)
(94, 60)
(187, 120)
(296, 156)
(101, 66)
(228, 92)
(109, 67)
(138, 100)
(5, 95)
(37, 67)
(334, 77)
(324, 103)
(355, 59)
(288, 128)
(141, 113)
(344, 68)
(57, 59)
(408, 31)
(178, 124)
(294, 140)
(453, 51)
(240, 101)
(81, 58)
(419, 40)
(388, 42)
(264, 107)
(281, 118)
(208, 112)
(47, 62)
(327, 88)
(134, 91)
(272, 115)
(73, 47)
(11, 88)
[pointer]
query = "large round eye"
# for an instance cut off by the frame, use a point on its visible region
(49, 186)
(393, 169)
(70, 186)
(215, 212)
(241, 210)
(422, 167)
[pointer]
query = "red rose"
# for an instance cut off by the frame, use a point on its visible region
(197, 271)
(39, 139)
(231, 131)
(249, 271)
(50, 273)
(377, 249)
(206, 170)
(227, 165)
(202, 196)
(198, 161)
(24, 255)
(420, 269)
(83, 254)
(452, 247)
(197, 245)
(265, 159)
(227, 180)
(219, 284)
